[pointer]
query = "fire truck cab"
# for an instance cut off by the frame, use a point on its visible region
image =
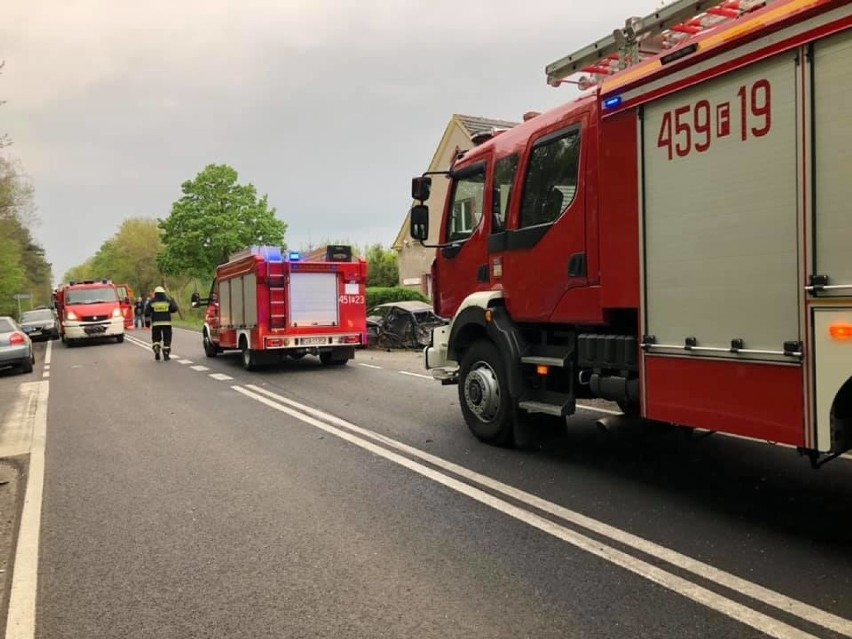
(676, 239)
(270, 303)
(89, 310)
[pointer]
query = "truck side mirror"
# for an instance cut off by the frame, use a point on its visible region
(419, 221)
(421, 187)
(195, 300)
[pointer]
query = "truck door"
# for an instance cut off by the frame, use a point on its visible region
(466, 233)
(545, 246)
(830, 285)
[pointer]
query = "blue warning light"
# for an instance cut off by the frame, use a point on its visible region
(295, 256)
(612, 103)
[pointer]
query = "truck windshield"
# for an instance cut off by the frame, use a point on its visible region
(91, 296)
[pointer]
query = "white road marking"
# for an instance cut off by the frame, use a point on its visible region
(138, 342)
(600, 410)
(46, 374)
(184, 361)
(199, 367)
(47, 353)
(16, 432)
(20, 622)
(684, 562)
(748, 616)
(429, 377)
(221, 377)
(368, 365)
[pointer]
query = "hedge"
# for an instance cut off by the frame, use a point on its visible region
(382, 294)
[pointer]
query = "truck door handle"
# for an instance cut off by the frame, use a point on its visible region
(577, 265)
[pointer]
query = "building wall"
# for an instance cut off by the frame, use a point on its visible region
(415, 261)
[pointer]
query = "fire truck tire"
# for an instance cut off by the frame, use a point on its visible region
(484, 394)
(330, 358)
(249, 357)
(209, 347)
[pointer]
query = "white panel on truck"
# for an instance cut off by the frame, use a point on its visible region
(225, 303)
(313, 299)
(833, 368)
(250, 299)
(833, 158)
(237, 315)
(721, 212)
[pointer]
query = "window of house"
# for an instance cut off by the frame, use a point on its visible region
(468, 199)
(551, 180)
(504, 178)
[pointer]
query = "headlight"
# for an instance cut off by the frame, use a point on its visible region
(71, 315)
(116, 312)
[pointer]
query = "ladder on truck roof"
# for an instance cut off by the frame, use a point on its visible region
(643, 38)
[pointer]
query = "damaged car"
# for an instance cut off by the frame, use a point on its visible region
(402, 324)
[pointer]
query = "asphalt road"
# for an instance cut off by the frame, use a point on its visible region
(306, 501)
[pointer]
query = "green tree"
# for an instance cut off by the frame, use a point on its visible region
(12, 275)
(84, 271)
(215, 217)
(130, 256)
(382, 267)
(23, 267)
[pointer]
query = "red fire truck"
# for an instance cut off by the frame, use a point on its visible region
(269, 303)
(675, 239)
(88, 310)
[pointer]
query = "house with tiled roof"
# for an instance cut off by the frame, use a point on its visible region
(415, 261)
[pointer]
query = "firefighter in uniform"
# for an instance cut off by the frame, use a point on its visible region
(162, 307)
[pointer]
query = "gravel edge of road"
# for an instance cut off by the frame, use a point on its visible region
(13, 470)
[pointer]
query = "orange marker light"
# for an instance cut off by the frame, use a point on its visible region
(841, 331)
(541, 370)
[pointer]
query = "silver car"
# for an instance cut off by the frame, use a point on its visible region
(40, 324)
(16, 347)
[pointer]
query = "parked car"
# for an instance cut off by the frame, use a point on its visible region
(402, 324)
(40, 323)
(16, 347)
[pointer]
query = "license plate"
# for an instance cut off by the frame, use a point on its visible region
(314, 340)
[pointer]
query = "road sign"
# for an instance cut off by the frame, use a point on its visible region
(22, 296)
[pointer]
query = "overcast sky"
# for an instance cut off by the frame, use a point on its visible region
(328, 106)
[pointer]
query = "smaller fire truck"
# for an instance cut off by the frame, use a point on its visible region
(87, 310)
(270, 303)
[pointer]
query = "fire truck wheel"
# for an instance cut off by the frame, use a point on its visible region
(330, 358)
(483, 394)
(248, 356)
(209, 347)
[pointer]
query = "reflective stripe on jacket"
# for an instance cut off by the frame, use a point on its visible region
(162, 308)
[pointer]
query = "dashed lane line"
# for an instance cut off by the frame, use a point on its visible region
(199, 368)
(221, 377)
(369, 365)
